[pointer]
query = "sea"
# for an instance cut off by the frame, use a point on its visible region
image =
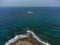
(45, 22)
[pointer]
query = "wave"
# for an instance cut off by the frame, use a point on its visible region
(24, 36)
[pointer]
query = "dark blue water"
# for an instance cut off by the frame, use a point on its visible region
(44, 20)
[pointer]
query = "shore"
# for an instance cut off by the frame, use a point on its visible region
(29, 39)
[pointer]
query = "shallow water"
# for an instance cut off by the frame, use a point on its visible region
(45, 21)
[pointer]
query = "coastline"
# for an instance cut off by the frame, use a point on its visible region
(17, 37)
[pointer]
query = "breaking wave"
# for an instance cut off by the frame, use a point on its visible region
(26, 35)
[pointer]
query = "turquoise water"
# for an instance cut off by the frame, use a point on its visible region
(45, 21)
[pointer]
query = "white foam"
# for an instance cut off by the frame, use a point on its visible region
(23, 36)
(30, 12)
(46, 43)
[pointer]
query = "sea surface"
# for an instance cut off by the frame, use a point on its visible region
(44, 21)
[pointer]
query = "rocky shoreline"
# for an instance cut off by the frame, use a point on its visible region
(29, 39)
